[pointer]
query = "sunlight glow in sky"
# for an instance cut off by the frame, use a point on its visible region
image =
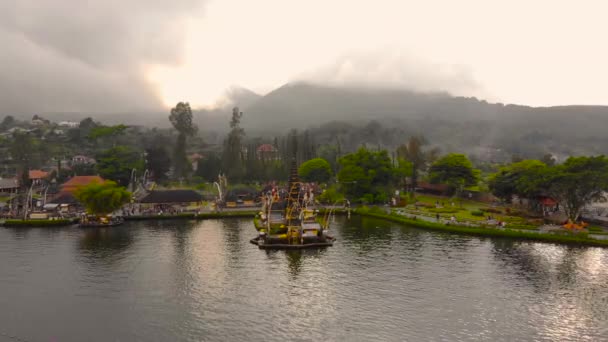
(526, 52)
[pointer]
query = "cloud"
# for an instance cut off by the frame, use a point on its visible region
(394, 70)
(70, 55)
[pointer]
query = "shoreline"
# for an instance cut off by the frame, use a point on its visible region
(580, 239)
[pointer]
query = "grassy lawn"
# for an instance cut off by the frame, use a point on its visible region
(462, 210)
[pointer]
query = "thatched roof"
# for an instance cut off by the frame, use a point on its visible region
(8, 184)
(172, 196)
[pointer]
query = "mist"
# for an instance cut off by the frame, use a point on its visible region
(69, 55)
(394, 70)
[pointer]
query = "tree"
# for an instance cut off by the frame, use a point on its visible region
(106, 133)
(209, 167)
(414, 153)
(315, 170)
(367, 175)
(158, 162)
(577, 183)
(233, 147)
(27, 152)
(117, 164)
(515, 179)
(102, 199)
(548, 159)
(7, 123)
(181, 119)
(455, 170)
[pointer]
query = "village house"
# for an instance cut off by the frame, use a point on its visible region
(194, 159)
(81, 159)
(37, 176)
(8, 186)
(64, 200)
(267, 152)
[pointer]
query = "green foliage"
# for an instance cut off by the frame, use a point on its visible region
(209, 167)
(331, 195)
(102, 199)
(577, 182)
(595, 229)
(366, 174)
(477, 213)
(454, 170)
(233, 157)
(158, 162)
(491, 210)
(561, 237)
(181, 119)
(419, 158)
(519, 179)
(7, 123)
(106, 131)
(315, 170)
(117, 164)
(444, 210)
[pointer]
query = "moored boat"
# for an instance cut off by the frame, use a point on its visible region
(91, 221)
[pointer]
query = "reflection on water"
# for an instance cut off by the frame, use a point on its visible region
(192, 281)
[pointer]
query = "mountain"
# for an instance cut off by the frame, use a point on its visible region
(453, 123)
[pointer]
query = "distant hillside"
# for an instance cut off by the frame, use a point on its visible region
(450, 122)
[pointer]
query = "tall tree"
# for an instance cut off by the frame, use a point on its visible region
(414, 152)
(233, 157)
(158, 162)
(181, 119)
(209, 167)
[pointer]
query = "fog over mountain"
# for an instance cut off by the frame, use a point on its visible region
(78, 56)
(450, 122)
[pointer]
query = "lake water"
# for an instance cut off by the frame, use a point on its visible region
(194, 281)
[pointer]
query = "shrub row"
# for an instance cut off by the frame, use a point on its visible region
(491, 210)
(563, 237)
(444, 210)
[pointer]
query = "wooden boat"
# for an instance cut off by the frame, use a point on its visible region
(100, 221)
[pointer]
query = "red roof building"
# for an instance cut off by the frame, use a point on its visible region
(267, 152)
(37, 174)
(77, 181)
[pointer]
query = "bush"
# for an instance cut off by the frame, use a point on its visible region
(331, 195)
(477, 213)
(377, 210)
(444, 210)
(425, 205)
(491, 210)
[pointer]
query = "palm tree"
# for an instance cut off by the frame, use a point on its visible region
(414, 152)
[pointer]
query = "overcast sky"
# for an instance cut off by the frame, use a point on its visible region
(115, 55)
